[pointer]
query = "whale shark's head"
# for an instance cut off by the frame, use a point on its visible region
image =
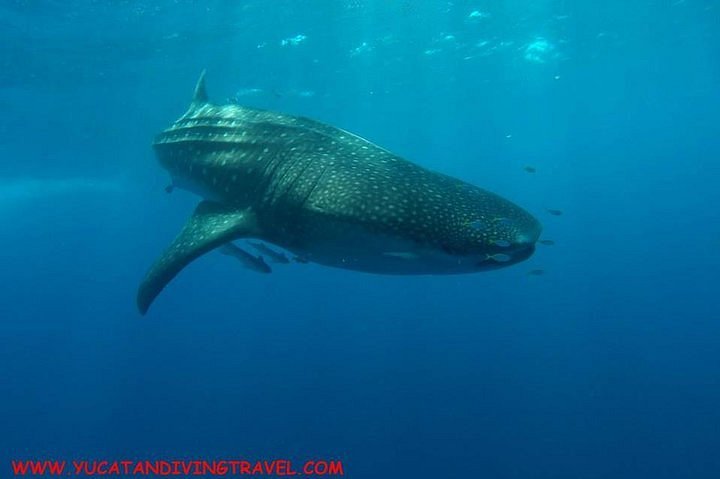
(501, 235)
(476, 231)
(512, 241)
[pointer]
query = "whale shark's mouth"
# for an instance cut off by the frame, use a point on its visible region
(522, 252)
(505, 257)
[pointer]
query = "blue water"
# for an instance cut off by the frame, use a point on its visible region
(606, 366)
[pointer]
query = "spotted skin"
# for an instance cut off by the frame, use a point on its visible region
(334, 198)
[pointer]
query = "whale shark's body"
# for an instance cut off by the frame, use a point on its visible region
(327, 196)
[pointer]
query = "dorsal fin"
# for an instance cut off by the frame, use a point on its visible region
(200, 97)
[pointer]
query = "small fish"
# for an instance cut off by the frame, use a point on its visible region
(501, 243)
(554, 212)
(536, 272)
(529, 169)
(248, 92)
(477, 15)
(547, 242)
(169, 188)
(255, 263)
(275, 256)
(498, 257)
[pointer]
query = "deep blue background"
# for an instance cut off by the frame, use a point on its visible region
(606, 366)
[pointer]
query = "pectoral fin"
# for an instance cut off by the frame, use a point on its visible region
(210, 226)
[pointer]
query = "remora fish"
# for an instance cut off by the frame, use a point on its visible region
(326, 195)
(275, 256)
(255, 263)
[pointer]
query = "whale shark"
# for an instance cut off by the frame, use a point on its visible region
(325, 195)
